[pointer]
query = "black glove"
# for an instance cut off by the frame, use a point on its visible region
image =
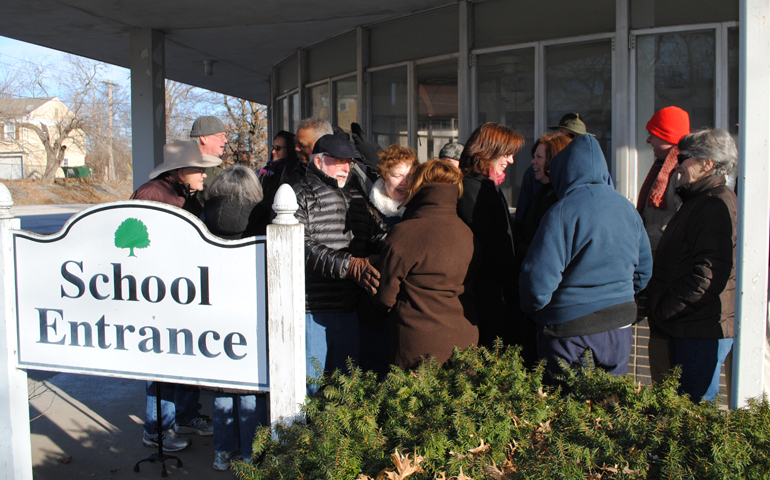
(364, 274)
(369, 150)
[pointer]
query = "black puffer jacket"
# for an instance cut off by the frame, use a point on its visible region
(338, 226)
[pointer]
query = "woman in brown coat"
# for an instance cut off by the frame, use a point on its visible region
(427, 268)
(692, 290)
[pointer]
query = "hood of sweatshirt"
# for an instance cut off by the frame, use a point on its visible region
(580, 163)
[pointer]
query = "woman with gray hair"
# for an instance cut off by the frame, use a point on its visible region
(692, 290)
(235, 208)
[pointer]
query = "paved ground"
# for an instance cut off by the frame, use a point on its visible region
(90, 427)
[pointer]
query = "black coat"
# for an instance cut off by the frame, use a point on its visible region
(484, 209)
(338, 226)
(229, 218)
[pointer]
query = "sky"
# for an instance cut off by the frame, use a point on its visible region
(13, 52)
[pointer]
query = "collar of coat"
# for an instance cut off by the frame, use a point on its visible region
(686, 192)
(383, 203)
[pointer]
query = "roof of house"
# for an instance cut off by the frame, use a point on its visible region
(17, 107)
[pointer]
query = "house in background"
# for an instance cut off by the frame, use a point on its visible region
(22, 152)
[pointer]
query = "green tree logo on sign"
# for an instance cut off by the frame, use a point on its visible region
(132, 233)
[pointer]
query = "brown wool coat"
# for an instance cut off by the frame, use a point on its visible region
(692, 290)
(427, 267)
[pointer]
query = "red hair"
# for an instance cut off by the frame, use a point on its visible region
(489, 142)
(435, 171)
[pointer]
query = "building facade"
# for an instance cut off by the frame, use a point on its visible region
(428, 78)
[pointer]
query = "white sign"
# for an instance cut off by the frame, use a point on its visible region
(143, 290)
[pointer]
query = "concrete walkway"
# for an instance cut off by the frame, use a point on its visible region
(86, 426)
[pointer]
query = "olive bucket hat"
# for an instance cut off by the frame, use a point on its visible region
(573, 123)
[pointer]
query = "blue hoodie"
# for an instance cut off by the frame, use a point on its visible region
(591, 250)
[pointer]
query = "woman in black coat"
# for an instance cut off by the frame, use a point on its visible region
(483, 207)
(235, 209)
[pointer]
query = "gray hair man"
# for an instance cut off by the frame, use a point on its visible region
(339, 233)
(211, 135)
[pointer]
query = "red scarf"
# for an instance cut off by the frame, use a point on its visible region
(498, 179)
(656, 183)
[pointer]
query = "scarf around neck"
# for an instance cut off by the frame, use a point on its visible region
(653, 191)
(383, 203)
(498, 179)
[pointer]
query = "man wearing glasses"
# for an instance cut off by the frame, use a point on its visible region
(177, 181)
(339, 233)
(658, 202)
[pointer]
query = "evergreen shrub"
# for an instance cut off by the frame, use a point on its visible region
(483, 415)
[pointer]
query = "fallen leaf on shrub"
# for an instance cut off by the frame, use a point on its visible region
(462, 476)
(541, 393)
(597, 423)
(442, 477)
(483, 448)
(498, 473)
(610, 400)
(405, 466)
(628, 471)
(361, 476)
(594, 476)
(610, 469)
(65, 460)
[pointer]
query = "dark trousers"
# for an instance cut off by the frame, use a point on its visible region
(611, 352)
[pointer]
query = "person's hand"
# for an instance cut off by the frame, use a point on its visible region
(369, 150)
(364, 274)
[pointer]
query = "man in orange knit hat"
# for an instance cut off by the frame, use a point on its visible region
(658, 202)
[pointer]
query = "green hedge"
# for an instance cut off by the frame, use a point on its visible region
(482, 415)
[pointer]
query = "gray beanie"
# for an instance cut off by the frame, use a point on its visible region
(451, 150)
(203, 126)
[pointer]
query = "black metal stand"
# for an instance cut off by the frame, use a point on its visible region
(160, 456)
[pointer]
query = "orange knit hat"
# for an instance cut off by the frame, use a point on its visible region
(669, 124)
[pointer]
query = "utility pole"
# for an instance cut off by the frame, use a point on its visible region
(111, 162)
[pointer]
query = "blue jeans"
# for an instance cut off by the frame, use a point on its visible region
(330, 338)
(611, 352)
(178, 404)
(701, 362)
(236, 418)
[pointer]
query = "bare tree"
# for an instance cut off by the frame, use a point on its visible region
(247, 132)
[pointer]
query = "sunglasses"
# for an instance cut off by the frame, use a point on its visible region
(196, 170)
(278, 148)
(683, 156)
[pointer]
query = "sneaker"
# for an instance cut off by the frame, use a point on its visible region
(200, 425)
(222, 460)
(171, 441)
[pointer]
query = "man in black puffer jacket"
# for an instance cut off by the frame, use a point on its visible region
(339, 233)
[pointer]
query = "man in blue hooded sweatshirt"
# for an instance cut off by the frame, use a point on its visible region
(589, 257)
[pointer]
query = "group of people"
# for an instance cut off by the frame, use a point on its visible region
(408, 260)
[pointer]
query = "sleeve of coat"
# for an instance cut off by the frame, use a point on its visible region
(643, 270)
(393, 270)
(712, 263)
(547, 258)
(320, 260)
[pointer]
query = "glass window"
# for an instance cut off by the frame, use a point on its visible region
(417, 36)
(287, 75)
(502, 22)
(436, 108)
(733, 39)
(333, 57)
(506, 94)
(389, 107)
(295, 111)
(346, 102)
(663, 13)
(318, 101)
(579, 79)
(283, 114)
(673, 69)
(10, 132)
